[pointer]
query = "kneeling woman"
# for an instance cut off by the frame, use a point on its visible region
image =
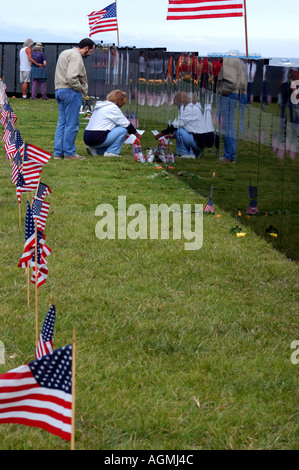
(108, 127)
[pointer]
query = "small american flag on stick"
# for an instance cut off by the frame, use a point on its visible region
(45, 342)
(39, 394)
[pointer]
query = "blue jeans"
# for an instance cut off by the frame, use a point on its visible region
(69, 103)
(185, 142)
(114, 141)
(228, 109)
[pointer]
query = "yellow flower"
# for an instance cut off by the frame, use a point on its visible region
(241, 234)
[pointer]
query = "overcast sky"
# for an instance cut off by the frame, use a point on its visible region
(272, 26)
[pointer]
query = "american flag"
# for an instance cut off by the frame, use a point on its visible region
(13, 116)
(45, 342)
(42, 274)
(9, 130)
(43, 191)
(41, 237)
(16, 163)
(33, 161)
(40, 210)
(194, 9)
(252, 208)
(19, 140)
(209, 207)
(39, 394)
(4, 116)
(103, 20)
(10, 148)
(30, 184)
(35, 155)
(7, 113)
(29, 238)
(20, 185)
(31, 172)
(42, 252)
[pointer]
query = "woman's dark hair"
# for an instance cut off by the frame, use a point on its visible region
(86, 42)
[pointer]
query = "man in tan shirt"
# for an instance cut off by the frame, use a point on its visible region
(231, 81)
(71, 87)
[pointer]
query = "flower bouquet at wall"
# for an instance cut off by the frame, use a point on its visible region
(137, 152)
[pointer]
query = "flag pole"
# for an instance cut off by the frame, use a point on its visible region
(23, 156)
(28, 278)
(36, 288)
(117, 24)
(36, 278)
(73, 389)
(212, 185)
(28, 287)
(20, 217)
(246, 37)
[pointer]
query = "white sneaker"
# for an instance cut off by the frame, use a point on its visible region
(91, 151)
(108, 154)
(190, 156)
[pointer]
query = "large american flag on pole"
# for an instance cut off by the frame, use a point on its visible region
(39, 394)
(194, 9)
(103, 20)
(45, 342)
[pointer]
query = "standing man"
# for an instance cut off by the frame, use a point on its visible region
(228, 86)
(25, 66)
(71, 87)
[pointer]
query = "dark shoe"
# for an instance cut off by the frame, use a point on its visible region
(74, 157)
(58, 157)
(223, 159)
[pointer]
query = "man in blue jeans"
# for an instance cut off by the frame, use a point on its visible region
(231, 84)
(71, 87)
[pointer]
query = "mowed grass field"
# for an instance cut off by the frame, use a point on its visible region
(176, 349)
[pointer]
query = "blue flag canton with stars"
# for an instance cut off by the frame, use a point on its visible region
(36, 207)
(54, 371)
(42, 188)
(29, 223)
(19, 140)
(20, 181)
(48, 327)
(18, 159)
(111, 11)
(25, 153)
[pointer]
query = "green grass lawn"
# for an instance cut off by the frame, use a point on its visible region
(176, 349)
